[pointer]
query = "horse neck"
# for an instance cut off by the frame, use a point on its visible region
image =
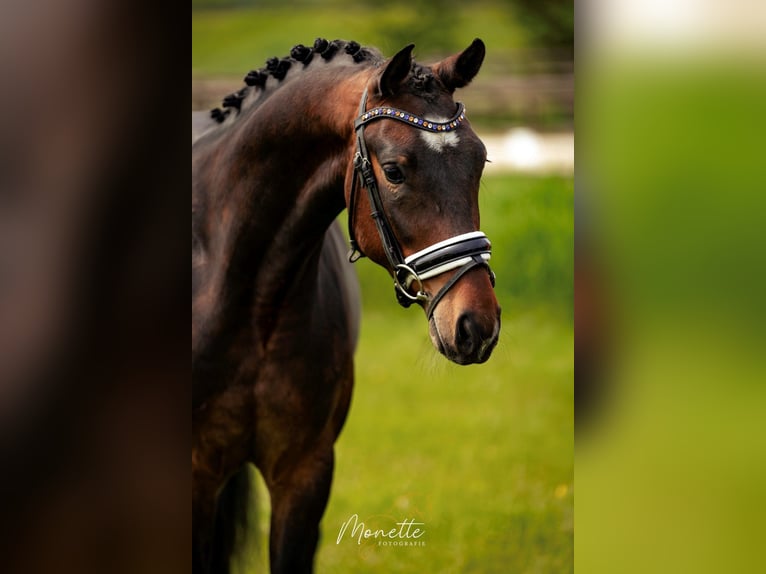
(267, 186)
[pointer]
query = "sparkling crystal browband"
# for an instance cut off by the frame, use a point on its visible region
(413, 120)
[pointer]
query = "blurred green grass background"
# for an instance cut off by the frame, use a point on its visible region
(673, 173)
(482, 455)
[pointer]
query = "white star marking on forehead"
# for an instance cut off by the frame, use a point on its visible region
(438, 141)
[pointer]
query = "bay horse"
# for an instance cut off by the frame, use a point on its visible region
(275, 304)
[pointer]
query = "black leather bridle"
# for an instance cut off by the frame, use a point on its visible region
(462, 252)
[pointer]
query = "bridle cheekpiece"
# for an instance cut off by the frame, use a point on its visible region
(461, 252)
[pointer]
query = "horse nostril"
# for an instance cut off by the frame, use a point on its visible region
(466, 335)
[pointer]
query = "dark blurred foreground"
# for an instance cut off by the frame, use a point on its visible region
(93, 385)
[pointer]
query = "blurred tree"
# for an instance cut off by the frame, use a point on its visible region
(428, 22)
(550, 23)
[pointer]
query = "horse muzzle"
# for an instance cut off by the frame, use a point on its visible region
(466, 326)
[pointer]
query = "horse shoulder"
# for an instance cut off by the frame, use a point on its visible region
(334, 265)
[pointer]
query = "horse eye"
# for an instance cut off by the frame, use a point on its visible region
(393, 174)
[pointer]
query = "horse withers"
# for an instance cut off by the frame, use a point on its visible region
(275, 303)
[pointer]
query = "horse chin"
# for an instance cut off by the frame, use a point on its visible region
(452, 354)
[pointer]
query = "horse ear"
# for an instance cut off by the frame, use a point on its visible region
(396, 72)
(458, 70)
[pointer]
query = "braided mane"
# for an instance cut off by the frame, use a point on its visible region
(277, 68)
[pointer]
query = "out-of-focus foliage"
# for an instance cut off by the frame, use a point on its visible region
(670, 472)
(549, 24)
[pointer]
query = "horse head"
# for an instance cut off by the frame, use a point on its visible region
(421, 164)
